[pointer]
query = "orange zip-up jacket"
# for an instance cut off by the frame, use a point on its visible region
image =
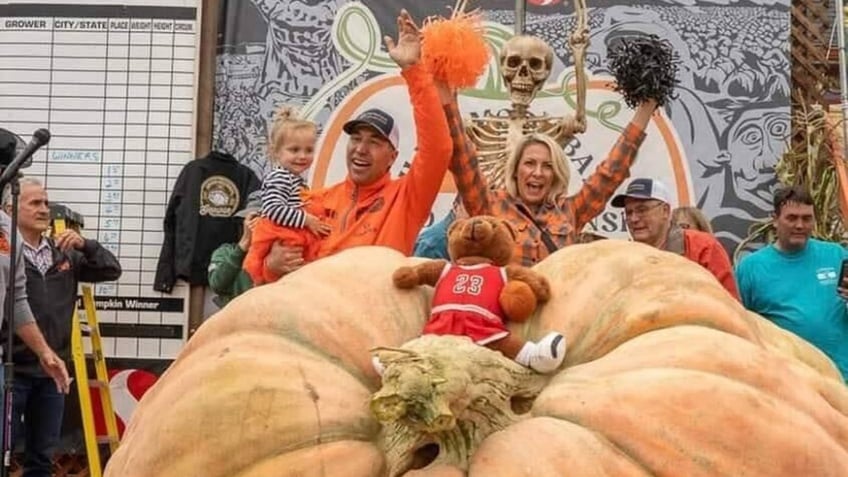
(391, 212)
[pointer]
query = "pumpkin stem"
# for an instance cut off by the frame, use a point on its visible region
(442, 395)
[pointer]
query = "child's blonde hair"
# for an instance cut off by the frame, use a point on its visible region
(285, 122)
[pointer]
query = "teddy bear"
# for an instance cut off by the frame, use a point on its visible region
(477, 291)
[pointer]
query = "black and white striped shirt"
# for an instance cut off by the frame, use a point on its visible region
(281, 201)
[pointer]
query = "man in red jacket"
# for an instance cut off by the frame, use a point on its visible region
(647, 212)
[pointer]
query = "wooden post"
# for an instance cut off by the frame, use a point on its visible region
(209, 12)
(836, 129)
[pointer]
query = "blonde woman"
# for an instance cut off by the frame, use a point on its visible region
(691, 218)
(535, 201)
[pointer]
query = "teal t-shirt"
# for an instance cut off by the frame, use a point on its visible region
(432, 242)
(797, 291)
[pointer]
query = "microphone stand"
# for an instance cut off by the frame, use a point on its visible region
(10, 175)
(9, 313)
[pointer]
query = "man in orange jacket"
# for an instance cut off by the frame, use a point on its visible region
(370, 207)
(647, 211)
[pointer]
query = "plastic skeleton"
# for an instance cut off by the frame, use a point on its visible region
(525, 64)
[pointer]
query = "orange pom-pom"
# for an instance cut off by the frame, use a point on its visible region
(454, 49)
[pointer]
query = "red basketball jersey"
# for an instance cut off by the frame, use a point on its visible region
(470, 288)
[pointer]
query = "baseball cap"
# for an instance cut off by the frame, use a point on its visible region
(253, 204)
(378, 119)
(643, 188)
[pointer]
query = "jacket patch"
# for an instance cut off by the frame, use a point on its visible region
(219, 197)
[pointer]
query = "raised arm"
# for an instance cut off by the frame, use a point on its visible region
(96, 263)
(471, 184)
(579, 42)
(432, 139)
(430, 163)
(591, 199)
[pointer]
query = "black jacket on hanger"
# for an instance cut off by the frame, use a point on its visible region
(199, 218)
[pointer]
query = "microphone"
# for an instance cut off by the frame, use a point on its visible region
(24, 158)
(39, 138)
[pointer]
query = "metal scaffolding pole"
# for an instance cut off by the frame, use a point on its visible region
(520, 16)
(842, 177)
(843, 74)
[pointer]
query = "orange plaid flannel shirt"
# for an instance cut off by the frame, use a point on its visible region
(564, 218)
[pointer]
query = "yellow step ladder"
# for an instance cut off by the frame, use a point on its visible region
(79, 330)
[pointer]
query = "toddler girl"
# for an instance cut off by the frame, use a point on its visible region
(291, 147)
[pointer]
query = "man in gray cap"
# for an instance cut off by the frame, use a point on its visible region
(647, 213)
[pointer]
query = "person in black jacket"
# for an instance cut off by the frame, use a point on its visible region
(19, 317)
(53, 270)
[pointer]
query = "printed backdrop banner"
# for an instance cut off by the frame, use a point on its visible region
(715, 145)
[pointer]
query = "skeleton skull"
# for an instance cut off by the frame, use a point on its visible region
(526, 63)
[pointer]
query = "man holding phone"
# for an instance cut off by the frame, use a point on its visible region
(796, 282)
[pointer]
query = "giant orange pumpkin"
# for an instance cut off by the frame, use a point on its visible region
(665, 375)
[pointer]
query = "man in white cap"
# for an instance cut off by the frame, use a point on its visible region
(647, 212)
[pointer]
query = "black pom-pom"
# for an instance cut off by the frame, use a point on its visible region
(645, 67)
